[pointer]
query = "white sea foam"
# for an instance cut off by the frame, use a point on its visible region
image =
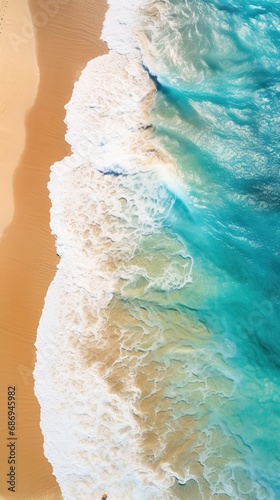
(107, 348)
(91, 436)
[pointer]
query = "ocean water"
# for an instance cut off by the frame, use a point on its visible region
(158, 350)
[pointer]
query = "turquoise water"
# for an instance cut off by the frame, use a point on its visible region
(217, 112)
(158, 342)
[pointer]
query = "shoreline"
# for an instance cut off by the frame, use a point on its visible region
(65, 43)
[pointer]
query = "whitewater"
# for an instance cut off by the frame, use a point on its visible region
(157, 350)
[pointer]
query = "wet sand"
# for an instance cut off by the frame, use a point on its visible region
(67, 37)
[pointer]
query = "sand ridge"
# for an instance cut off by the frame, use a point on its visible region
(66, 39)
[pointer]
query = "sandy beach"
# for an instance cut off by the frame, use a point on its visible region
(66, 37)
(18, 88)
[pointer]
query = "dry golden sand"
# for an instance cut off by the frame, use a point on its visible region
(18, 88)
(66, 38)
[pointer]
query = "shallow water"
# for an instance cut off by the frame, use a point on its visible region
(159, 334)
